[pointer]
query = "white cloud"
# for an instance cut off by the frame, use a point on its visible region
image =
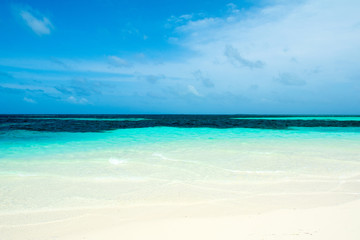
(173, 20)
(29, 100)
(232, 8)
(40, 24)
(75, 100)
(199, 25)
(118, 62)
(194, 91)
(254, 47)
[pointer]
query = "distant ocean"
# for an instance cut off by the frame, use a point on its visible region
(77, 161)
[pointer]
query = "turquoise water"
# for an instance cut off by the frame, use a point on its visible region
(52, 170)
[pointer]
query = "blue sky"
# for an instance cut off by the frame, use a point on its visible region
(247, 57)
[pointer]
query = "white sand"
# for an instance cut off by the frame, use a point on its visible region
(184, 222)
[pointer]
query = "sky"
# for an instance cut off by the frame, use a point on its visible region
(180, 57)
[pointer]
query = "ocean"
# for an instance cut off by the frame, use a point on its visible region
(51, 162)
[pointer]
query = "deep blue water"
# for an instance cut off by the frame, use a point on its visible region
(99, 123)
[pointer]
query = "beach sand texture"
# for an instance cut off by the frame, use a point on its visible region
(322, 223)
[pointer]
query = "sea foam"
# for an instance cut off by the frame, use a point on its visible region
(116, 161)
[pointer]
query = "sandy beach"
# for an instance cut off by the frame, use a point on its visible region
(184, 222)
